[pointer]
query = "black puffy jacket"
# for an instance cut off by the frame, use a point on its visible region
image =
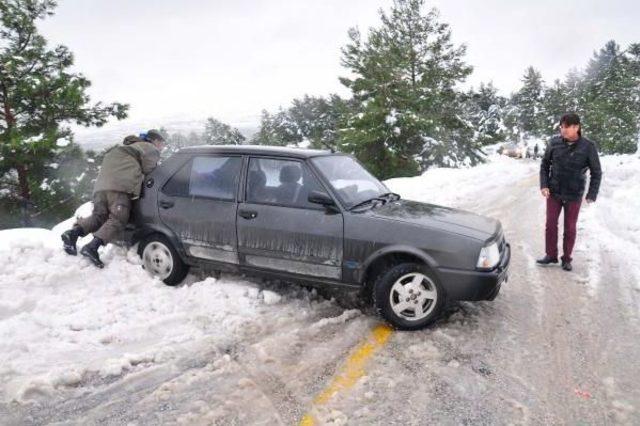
(564, 165)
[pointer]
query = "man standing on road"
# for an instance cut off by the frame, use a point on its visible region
(562, 183)
(119, 182)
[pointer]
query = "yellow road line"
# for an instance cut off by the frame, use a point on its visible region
(353, 369)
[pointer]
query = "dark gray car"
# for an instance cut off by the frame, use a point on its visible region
(318, 218)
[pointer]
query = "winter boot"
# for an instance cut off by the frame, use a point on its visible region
(90, 251)
(566, 265)
(546, 260)
(69, 239)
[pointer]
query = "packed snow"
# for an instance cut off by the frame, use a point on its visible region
(63, 321)
(66, 326)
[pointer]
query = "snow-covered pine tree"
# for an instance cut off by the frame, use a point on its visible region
(218, 133)
(611, 100)
(407, 113)
(309, 122)
(632, 56)
(38, 93)
(177, 140)
(556, 103)
(530, 105)
(277, 129)
(317, 119)
(574, 91)
(484, 108)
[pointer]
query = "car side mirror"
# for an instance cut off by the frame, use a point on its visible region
(322, 198)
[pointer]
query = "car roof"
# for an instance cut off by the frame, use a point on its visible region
(278, 151)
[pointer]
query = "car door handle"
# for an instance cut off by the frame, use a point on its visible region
(248, 214)
(165, 204)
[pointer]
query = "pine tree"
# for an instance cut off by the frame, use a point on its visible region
(407, 112)
(485, 111)
(38, 94)
(530, 105)
(219, 133)
(556, 102)
(611, 100)
(175, 141)
(277, 129)
(317, 119)
(632, 65)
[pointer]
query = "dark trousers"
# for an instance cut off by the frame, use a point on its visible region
(571, 210)
(110, 216)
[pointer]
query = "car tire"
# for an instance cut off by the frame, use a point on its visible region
(408, 296)
(160, 259)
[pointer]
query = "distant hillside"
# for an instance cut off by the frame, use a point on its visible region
(98, 138)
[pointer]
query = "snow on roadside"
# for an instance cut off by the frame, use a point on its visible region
(612, 224)
(63, 321)
(455, 187)
(61, 318)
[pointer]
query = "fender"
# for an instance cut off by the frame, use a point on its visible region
(400, 249)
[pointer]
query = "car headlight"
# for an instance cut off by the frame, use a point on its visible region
(489, 256)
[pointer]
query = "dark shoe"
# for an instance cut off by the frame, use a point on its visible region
(566, 266)
(69, 239)
(90, 251)
(547, 260)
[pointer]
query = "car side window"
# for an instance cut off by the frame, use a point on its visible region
(215, 177)
(281, 182)
(178, 184)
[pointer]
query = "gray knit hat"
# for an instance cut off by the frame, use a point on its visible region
(154, 135)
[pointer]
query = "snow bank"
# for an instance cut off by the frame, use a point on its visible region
(61, 318)
(64, 323)
(612, 224)
(455, 187)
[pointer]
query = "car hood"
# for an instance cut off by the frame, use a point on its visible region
(431, 215)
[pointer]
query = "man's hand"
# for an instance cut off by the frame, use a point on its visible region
(545, 192)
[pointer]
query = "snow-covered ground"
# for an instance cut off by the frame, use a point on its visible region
(62, 320)
(238, 350)
(612, 223)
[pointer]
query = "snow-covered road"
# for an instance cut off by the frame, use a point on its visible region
(113, 346)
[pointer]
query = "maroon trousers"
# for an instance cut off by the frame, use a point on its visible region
(571, 210)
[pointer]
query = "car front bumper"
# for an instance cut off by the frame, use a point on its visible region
(476, 285)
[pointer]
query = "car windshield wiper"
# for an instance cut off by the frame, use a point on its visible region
(367, 201)
(390, 195)
(383, 198)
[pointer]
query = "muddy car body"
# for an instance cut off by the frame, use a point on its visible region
(315, 217)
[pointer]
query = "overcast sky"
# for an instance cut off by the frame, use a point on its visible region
(190, 59)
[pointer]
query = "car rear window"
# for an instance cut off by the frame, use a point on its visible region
(213, 177)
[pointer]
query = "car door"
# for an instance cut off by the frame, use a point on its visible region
(199, 203)
(278, 229)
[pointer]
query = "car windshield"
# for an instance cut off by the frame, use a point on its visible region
(352, 182)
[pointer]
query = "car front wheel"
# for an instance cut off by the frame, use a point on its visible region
(161, 260)
(408, 296)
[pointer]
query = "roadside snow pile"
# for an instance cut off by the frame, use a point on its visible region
(63, 322)
(61, 318)
(612, 224)
(455, 187)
